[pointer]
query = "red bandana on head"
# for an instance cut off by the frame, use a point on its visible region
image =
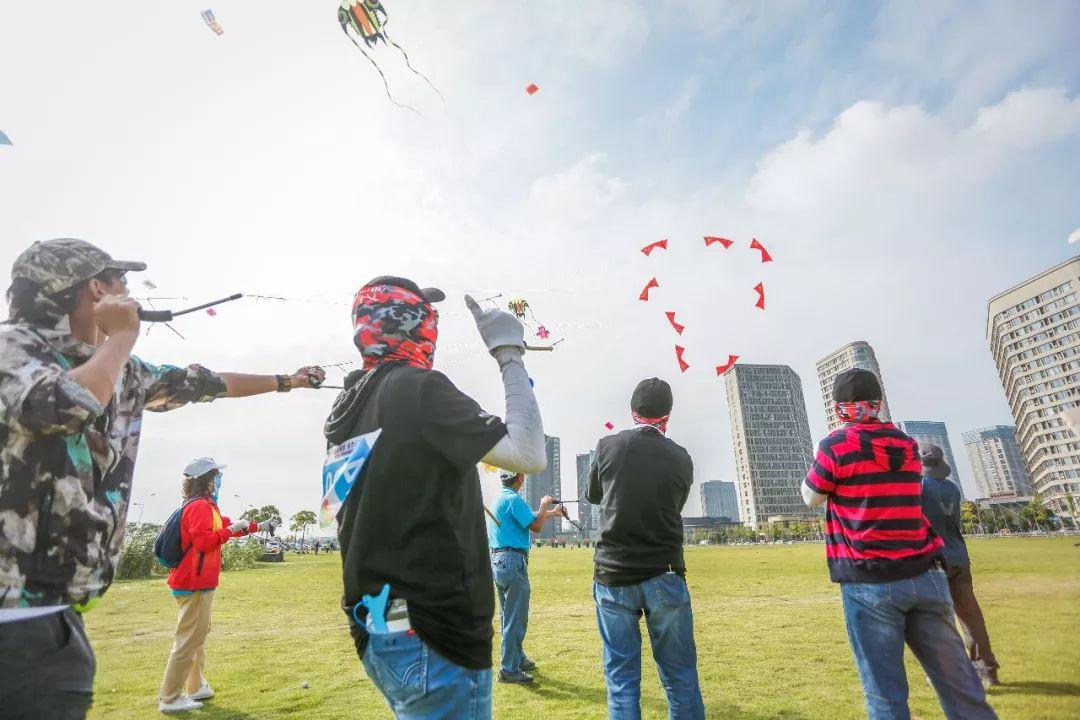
(391, 324)
(860, 411)
(659, 423)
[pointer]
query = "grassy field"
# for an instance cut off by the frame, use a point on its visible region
(771, 641)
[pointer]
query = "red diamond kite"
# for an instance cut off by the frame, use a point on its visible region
(532, 88)
(609, 426)
(645, 293)
(765, 256)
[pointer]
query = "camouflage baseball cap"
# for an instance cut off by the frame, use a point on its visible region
(59, 264)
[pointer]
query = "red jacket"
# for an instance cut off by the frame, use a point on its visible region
(202, 531)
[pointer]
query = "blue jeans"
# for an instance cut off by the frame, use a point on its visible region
(420, 684)
(665, 602)
(881, 617)
(511, 572)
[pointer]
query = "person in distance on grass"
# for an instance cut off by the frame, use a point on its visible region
(887, 559)
(416, 568)
(941, 500)
(72, 399)
(203, 531)
(509, 540)
(641, 480)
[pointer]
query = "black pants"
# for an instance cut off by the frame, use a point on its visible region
(46, 668)
(972, 623)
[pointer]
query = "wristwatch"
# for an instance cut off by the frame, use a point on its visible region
(284, 383)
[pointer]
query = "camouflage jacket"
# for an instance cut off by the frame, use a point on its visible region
(67, 462)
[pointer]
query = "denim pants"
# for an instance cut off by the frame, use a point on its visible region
(881, 617)
(511, 571)
(420, 684)
(46, 668)
(665, 602)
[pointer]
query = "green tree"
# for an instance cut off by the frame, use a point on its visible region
(266, 512)
(300, 521)
(969, 518)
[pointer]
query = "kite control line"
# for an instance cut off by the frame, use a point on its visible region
(167, 315)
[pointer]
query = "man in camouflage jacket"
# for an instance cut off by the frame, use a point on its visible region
(71, 406)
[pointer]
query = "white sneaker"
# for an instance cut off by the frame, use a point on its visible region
(180, 704)
(203, 693)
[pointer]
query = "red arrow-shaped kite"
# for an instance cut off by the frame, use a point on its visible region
(723, 241)
(645, 293)
(671, 319)
(683, 365)
(662, 244)
(765, 256)
(760, 287)
(723, 369)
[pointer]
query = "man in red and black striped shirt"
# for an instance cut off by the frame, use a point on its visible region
(882, 551)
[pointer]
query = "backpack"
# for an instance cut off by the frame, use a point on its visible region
(168, 547)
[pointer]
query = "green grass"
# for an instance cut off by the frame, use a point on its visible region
(770, 635)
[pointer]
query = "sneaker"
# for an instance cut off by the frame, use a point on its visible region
(518, 678)
(990, 678)
(179, 705)
(528, 665)
(203, 693)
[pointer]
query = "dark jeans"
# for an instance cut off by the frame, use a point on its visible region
(882, 617)
(968, 612)
(46, 668)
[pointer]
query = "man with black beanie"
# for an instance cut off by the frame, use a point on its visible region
(640, 479)
(881, 550)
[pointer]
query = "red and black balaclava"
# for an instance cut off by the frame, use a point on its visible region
(393, 324)
(857, 396)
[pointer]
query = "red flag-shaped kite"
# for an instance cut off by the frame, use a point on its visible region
(723, 369)
(211, 312)
(609, 426)
(723, 241)
(683, 365)
(765, 256)
(645, 293)
(662, 244)
(760, 287)
(532, 88)
(671, 319)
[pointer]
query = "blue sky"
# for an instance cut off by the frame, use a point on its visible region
(903, 162)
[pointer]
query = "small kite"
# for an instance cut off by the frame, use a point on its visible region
(520, 307)
(671, 319)
(211, 312)
(523, 312)
(609, 425)
(760, 288)
(645, 293)
(765, 256)
(368, 20)
(532, 88)
(723, 369)
(661, 244)
(543, 333)
(4, 139)
(149, 285)
(208, 18)
(683, 365)
(723, 241)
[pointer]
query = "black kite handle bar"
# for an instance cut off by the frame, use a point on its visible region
(167, 315)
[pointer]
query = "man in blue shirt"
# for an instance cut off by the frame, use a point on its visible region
(509, 540)
(941, 501)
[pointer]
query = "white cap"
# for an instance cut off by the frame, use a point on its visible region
(202, 466)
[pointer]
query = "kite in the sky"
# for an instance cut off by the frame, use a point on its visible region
(523, 312)
(520, 307)
(723, 369)
(368, 20)
(709, 240)
(4, 139)
(532, 88)
(208, 18)
(671, 319)
(211, 312)
(760, 288)
(683, 365)
(543, 333)
(765, 256)
(662, 244)
(609, 425)
(645, 293)
(149, 285)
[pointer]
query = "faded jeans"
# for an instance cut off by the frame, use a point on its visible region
(511, 571)
(665, 602)
(882, 617)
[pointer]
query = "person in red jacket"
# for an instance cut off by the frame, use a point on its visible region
(203, 530)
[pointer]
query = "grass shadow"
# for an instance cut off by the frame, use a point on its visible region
(1036, 687)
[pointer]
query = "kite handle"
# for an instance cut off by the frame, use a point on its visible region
(537, 348)
(167, 315)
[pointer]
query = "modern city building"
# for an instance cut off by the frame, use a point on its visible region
(586, 517)
(1034, 335)
(719, 499)
(549, 482)
(771, 435)
(996, 463)
(929, 432)
(858, 354)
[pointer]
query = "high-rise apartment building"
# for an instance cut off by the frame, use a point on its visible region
(928, 432)
(548, 482)
(858, 354)
(1034, 335)
(586, 517)
(719, 499)
(771, 435)
(996, 462)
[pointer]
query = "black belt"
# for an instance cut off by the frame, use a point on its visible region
(519, 551)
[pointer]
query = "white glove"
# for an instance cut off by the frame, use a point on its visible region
(498, 328)
(239, 526)
(268, 525)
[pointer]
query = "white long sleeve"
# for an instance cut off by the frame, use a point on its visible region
(522, 449)
(812, 497)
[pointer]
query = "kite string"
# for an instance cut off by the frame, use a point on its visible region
(379, 70)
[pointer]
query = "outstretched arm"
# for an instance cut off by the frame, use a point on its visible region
(243, 385)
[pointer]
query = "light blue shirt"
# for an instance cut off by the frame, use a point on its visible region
(515, 517)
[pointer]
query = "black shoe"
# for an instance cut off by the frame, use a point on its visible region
(518, 678)
(528, 665)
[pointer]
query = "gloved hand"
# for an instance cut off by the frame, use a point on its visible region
(268, 525)
(239, 526)
(498, 328)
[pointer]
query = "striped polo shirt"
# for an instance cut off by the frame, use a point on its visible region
(875, 530)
